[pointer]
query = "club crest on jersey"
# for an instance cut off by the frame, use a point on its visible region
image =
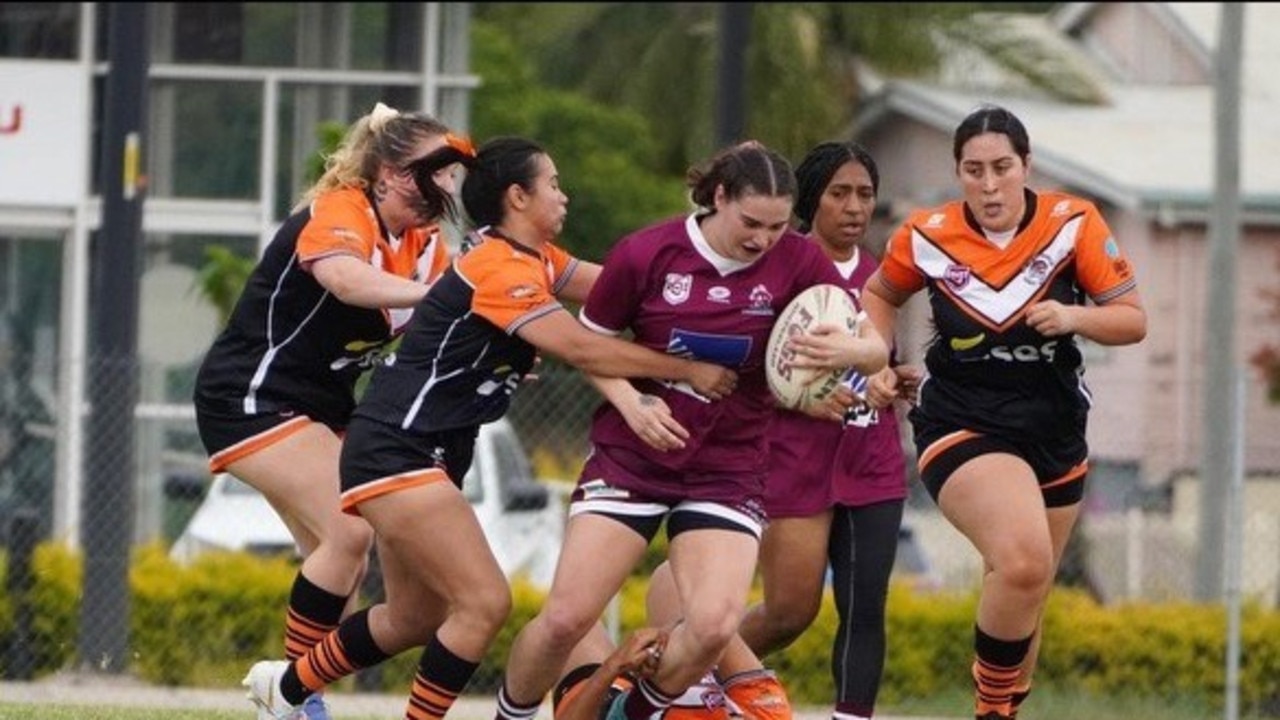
(675, 290)
(957, 276)
(760, 302)
(1037, 270)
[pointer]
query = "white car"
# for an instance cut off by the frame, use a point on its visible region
(522, 517)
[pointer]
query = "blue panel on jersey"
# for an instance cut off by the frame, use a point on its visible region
(727, 350)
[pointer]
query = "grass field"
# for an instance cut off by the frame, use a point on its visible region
(1047, 705)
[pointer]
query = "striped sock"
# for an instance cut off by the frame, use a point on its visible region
(313, 613)
(644, 700)
(509, 710)
(995, 672)
(340, 653)
(441, 677)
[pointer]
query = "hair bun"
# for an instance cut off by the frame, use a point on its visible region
(381, 115)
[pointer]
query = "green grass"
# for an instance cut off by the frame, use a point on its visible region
(14, 711)
(1054, 704)
(10, 711)
(1045, 704)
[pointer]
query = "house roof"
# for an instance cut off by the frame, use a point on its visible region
(1150, 145)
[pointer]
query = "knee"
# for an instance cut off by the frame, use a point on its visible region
(487, 609)
(352, 538)
(712, 628)
(564, 626)
(1027, 569)
(787, 621)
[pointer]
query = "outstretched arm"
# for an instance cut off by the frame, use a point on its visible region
(560, 334)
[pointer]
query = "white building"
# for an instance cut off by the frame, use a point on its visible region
(236, 94)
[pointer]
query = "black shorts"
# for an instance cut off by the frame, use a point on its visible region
(231, 436)
(374, 453)
(1060, 466)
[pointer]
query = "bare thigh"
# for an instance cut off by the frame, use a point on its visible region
(299, 477)
(435, 555)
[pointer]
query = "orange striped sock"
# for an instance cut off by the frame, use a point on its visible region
(440, 678)
(313, 612)
(995, 673)
(340, 653)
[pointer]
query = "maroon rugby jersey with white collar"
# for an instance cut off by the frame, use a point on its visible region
(679, 296)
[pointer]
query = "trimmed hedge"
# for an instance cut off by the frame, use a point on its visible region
(198, 625)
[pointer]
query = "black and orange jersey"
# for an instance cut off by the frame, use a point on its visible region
(987, 370)
(290, 346)
(461, 359)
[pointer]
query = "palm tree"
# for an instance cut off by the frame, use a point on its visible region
(806, 62)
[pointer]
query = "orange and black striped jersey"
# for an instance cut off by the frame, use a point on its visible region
(290, 346)
(987, 369)
(461, 359)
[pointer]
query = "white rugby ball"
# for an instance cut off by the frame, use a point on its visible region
(795, 388)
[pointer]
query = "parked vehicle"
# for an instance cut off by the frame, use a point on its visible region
(522, 517)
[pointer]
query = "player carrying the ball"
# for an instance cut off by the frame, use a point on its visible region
(706, 286)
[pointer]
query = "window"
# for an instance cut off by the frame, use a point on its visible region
(39, 30)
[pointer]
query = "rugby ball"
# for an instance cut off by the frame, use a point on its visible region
(796, 388)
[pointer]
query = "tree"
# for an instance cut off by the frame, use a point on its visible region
(804, 63)
(605, 154)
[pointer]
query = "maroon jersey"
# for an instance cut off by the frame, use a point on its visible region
(676, 295)
(815, 464)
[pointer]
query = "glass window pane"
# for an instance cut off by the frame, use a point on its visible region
(205, 138)
(346, 36)
(30, 291)
(313, 118)
(39, 30)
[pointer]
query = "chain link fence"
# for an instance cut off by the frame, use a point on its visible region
(139, 480)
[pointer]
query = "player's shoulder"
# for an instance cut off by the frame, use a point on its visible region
(665, 231)
(645, 244)
(1055, 204)
(937, 218)
(343, 200)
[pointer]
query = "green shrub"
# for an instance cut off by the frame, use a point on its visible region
(199, 625)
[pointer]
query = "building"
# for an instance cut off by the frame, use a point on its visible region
(237, 93)
(1139, 139)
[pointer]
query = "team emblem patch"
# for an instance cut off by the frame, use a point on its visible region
(957, 276)
(760, 302)
(1037, 270)
(676, 288)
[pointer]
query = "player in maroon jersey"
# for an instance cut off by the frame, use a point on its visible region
(471, 342)
(836, 490)
(707, 286)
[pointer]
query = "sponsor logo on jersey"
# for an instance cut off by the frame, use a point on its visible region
(598, 489)
(675, 290)
(935, 220)
(1063, 207)
(719, 294)
(961, 344)
(1016, 353)
(519, 292)
(727, 350)
(349, 236)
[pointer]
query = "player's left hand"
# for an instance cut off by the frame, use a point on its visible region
(640, 653)
(1051, 318)
(824, 347)
(834, 407)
